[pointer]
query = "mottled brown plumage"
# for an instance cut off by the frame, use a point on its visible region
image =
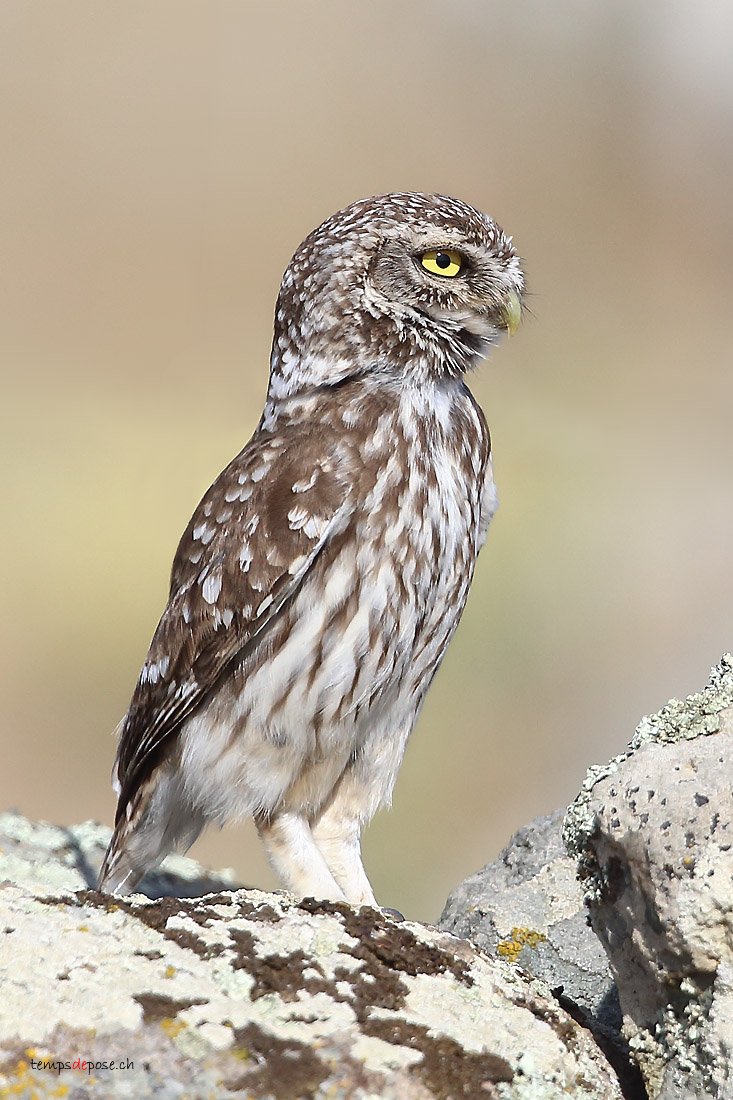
(317, 586)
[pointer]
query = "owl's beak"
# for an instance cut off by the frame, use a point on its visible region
(511, 312)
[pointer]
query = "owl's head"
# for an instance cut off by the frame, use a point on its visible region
(399, 286)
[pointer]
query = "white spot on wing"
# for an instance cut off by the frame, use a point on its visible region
(225, 616)
(297, 564)
(302, 520)
(297, 517)
(245, 557)
(313, 527)
(154, 671)
(264, 605)
(211, 587)
(304, 485)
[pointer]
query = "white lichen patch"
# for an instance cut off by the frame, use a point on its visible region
(58, 973)
(697, 715)
(378, 1055)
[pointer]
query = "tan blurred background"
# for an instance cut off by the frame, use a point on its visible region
(161, 160)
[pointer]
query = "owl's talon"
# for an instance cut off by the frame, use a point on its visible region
(393, 914)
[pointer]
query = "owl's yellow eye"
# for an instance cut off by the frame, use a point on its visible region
(442, 263)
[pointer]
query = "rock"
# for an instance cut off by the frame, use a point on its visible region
(51, 858)
(528, 907)
(241, 993)
(653, 832)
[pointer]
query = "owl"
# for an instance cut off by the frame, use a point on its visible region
(318, 584)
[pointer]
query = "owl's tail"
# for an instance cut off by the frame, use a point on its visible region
(160, 820)
(122, 869)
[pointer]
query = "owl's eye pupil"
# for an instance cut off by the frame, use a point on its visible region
(442, 259)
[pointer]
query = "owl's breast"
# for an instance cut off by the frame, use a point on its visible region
(412, 550)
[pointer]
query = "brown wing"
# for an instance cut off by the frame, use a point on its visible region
(246, 551)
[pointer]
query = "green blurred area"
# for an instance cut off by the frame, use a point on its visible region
(161, 163)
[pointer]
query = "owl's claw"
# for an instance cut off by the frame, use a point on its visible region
(393, 914)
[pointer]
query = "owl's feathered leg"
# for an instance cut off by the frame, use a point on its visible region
(295, 857)
(337, 832)
(365, 785)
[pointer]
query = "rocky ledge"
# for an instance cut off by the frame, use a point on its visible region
(536, 985)
(240, 993)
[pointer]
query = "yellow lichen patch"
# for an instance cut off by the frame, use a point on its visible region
(30, 1085)
(170, 971)
(24, 1079)
(519, 939)
(172, 1027)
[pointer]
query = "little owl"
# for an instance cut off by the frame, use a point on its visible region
(316, 588)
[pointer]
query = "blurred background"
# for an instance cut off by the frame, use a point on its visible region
(162, 160)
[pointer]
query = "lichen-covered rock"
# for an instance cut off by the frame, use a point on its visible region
(241, 993)
(51, 857)
(528, 907)
(653, 833)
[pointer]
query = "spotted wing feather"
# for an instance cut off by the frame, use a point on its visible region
(246, 551)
